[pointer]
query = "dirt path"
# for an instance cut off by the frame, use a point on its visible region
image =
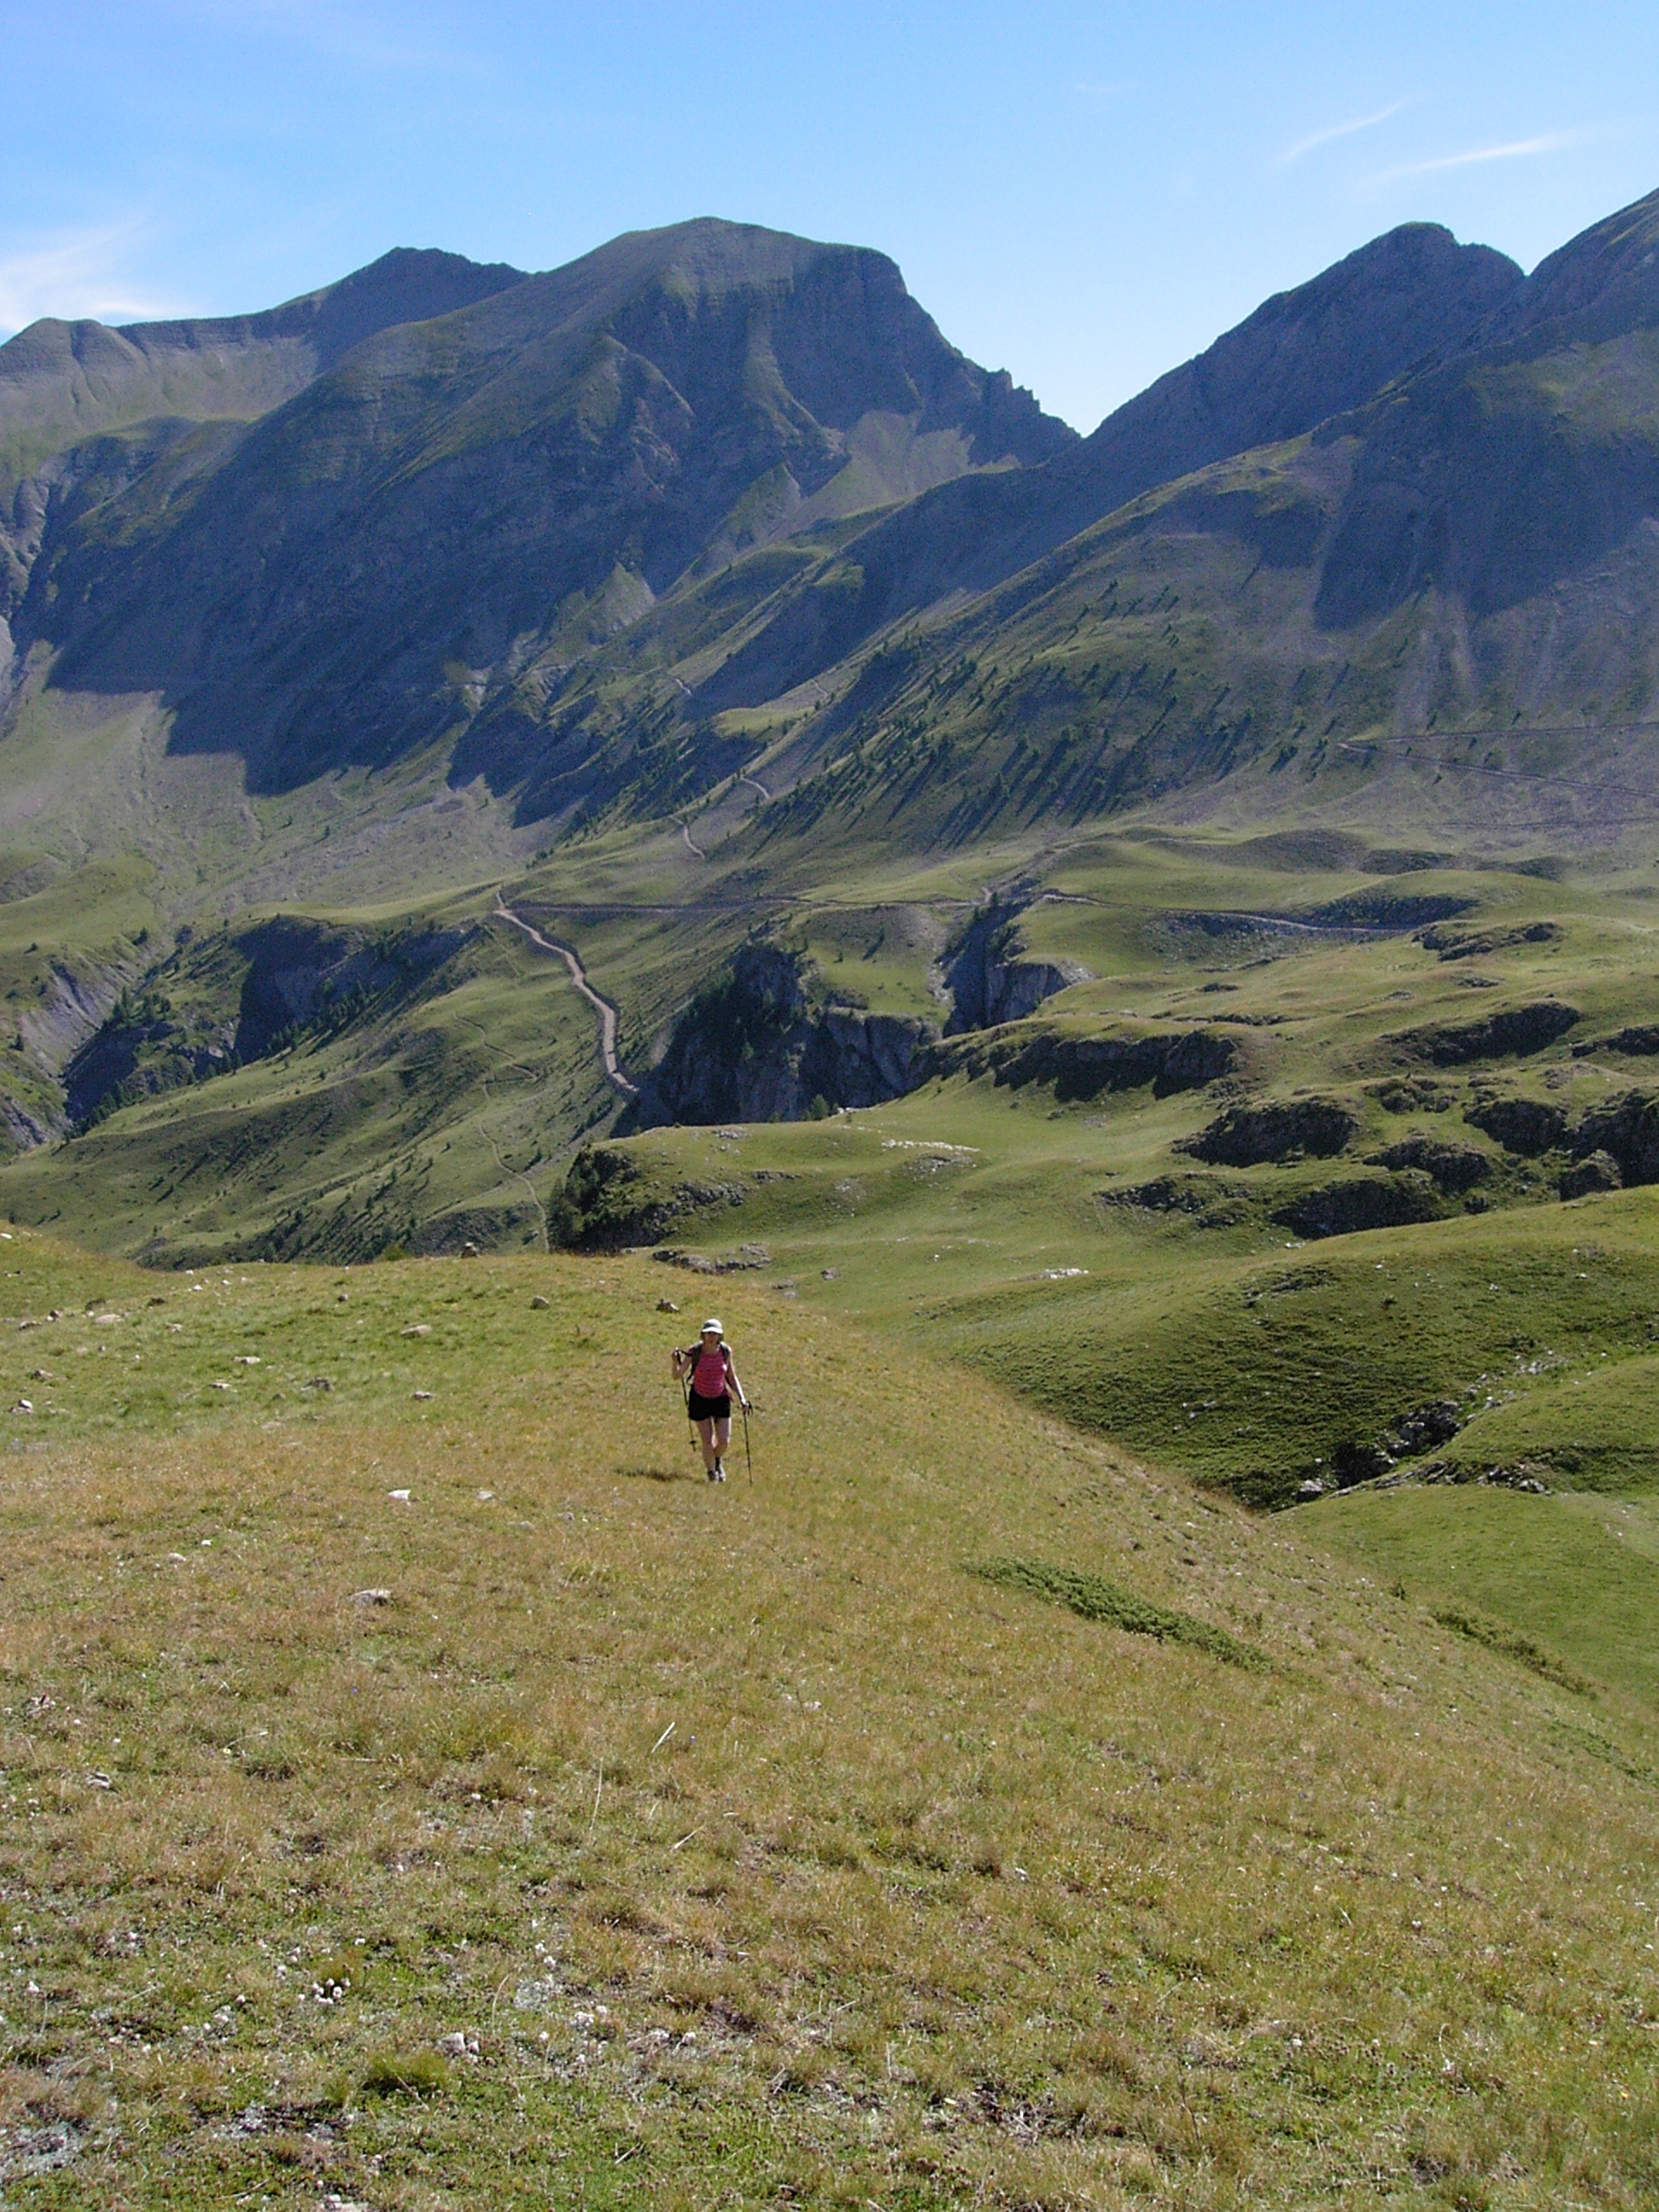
(755, 785)
(697, 851)
(603, 1007)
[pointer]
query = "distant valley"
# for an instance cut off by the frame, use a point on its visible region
(697, 622)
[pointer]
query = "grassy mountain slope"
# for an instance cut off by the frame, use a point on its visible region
(647, 1842)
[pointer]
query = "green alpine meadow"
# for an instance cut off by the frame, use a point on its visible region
(1121, 973)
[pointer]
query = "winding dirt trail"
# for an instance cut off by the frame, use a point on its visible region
(685, 832)
(755, 785)
(603, 1007)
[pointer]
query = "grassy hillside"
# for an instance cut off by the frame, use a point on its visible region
(651, 1843)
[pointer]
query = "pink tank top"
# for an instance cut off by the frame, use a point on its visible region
(709, 1376)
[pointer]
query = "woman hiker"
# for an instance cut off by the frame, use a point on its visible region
(708, 1365)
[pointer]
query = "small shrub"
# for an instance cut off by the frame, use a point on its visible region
(407, 2073)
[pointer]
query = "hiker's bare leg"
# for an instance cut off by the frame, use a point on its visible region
(706, 1438)
(722, 1437)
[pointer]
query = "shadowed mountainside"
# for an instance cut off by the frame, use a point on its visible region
(1301, 357)
(347, 579)
(64, 383)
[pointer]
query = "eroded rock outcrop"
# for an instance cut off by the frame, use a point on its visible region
(1510, 1032)
(765, 1042)
(1525, 1126)
(1084, 1067)
(990, 977)
(1283, 1129)
(1363, 1202)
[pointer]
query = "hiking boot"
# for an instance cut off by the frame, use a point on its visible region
(720, 1471)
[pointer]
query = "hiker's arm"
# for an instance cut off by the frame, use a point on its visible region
(731, 1369)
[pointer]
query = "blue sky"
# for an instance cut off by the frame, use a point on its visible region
(1083, 194)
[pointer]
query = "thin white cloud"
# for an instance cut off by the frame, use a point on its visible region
(1335, 130)
(1550, 142)
(76, 274)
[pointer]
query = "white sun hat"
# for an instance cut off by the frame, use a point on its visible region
(715, 1325)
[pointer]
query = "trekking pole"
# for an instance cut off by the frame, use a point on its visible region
(748, 1455)
(690, 1425)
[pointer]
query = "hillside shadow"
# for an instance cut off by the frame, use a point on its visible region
(661, 1474)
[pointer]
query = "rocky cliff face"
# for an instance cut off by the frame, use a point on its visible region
(990, 977)
(764, 1044)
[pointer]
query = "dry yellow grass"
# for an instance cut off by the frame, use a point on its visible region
(755, 1851)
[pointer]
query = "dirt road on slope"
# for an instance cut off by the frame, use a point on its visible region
(603, 1007)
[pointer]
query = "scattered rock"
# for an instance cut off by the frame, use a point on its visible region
(666, 1305)
(317, 1382)
(1208, 1203)
(469, 1251)
(1424, 1429)
(456, 2045)
(699, 1263)
(24, 1406)
(419, 1393)
(1639, 1042)
(416, 1328)
(1250, 1136)
(829, 1275)
(371, 1596)
(1599, 1171)
(402, 1495)
(246, 1359)
(1310, 1489)
(539, 1304)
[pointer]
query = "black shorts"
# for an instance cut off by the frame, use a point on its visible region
(702, 1408)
